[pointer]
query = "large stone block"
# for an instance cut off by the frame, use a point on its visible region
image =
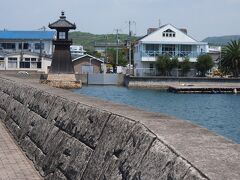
(160, 162)
(62, 112)
(27, 123)
(29, 147)
(23, 94)
(74, 159)
(4, 100)
(40, 130)
(57, 175)
(127, 155)
(16, 110)
(3, 114)
(87, 124)
(7, 86)
(13, 128)
(114, 134)
(42, 103)
(52, 159)
(192, 173)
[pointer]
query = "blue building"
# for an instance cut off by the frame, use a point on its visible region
(26, 50)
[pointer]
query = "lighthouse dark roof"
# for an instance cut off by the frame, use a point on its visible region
(62, 23)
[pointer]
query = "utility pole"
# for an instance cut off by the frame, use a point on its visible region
(130, 45)
(117, 33)
(106, 38)
(105, 60)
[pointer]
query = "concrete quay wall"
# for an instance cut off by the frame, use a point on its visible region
(164, 82)
(69, 136)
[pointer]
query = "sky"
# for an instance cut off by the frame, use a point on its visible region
(202, 18)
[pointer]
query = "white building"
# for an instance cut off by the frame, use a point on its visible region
(77, 51)
(26, 50)
(25, 61)
(166, 40)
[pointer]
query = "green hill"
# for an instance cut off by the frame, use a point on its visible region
(87, 40)
(221, 40)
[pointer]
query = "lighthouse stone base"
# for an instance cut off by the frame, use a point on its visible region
(65, 81)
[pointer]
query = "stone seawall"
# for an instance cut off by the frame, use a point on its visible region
(73, 137)
(164, 82)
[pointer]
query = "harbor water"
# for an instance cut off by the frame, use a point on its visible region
(217, 112)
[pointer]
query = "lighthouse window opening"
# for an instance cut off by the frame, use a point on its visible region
(62, 35)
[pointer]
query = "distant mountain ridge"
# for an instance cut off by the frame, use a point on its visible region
(221, 40)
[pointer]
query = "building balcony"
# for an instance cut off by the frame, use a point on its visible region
(152, 55)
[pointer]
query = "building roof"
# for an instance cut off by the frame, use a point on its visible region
(88, 55)
(12, 35)
(62, 23)
(181, 37)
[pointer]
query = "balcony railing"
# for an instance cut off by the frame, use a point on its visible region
(190, 54)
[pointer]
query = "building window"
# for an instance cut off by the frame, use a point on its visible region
(12, 62)
(151, 65)
(24, 64)
(39, 65)
(168, 49)
(185, 50)
(30, 63)
(2, 63)
(39, 46)
(12, 59)
(152, 47)
(169, 33)
(8, 46)
(62, 35)
(25, 46)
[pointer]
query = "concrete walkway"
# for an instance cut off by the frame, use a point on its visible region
(14, 165)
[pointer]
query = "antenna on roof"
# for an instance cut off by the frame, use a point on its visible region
(159, 22)
(43, 28)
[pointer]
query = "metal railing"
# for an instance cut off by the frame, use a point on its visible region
(190, 54)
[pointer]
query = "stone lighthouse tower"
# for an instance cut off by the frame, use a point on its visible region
(61, 73)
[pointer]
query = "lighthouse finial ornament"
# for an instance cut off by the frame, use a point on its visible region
(62, 15)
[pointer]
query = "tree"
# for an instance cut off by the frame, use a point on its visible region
(162, 64)
(94, 53)
(185, 66)
(204, 63)
(165, 65)
(122, 57)
(174, 63)
(230, 62)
